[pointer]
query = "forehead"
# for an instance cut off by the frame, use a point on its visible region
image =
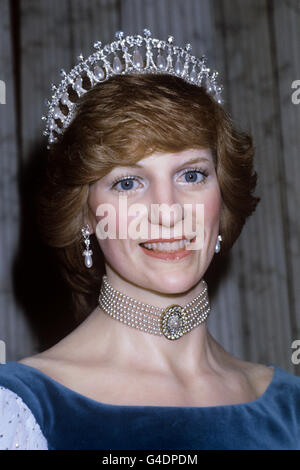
(184, 156)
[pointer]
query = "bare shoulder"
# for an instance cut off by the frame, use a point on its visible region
(53, 359)
(32, 360)
(62, 355)
(258, 375)
(47, 363)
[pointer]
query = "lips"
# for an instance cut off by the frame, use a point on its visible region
(169, 240)
(169, 255)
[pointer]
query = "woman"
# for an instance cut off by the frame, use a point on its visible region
(142, 371)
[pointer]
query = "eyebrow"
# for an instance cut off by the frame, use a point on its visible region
(187, 162)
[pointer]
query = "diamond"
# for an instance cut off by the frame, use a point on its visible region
(97, 45)
(119, 35)
(85, 232)
(114, 65)
(107, 48)
(173, 322)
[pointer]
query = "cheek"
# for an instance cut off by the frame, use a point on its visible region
(110, 250)
(118, 244)
(115, 250)
(208, 216)
(117, 218)
(212, 207)
(123, 223)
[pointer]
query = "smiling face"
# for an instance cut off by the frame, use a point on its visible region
(184, 178)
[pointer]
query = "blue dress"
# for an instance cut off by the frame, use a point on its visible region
(70, 420)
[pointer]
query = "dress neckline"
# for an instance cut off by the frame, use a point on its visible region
(258, 400)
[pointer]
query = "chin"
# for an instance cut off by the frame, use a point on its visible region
(173, 284)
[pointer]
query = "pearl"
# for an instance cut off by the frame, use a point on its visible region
(117, 65)
(192, 314)
(178, 66)
(138, 64)
(161, 62)
(88, 261)
(99, 72)
(138, 60)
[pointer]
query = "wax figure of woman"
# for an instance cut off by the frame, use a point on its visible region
(141, 370)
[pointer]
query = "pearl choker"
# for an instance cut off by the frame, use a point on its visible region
(173, 321)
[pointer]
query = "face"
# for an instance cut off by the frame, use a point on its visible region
(132, 195)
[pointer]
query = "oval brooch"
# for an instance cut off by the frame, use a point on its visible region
(173, 322)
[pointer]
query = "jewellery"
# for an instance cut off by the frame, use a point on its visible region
(218, 245)
(172, 322)
(87, 253)
(124, 56)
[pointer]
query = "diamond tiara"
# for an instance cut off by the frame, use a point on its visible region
(121, 57)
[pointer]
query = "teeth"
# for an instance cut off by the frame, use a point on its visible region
(167, 246)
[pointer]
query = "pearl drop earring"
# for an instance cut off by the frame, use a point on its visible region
(87, 253)
(218, 245)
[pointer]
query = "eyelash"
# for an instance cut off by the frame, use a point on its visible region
(119, 179)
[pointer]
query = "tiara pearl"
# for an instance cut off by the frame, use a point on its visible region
(127, 55)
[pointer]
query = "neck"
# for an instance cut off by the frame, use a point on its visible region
(129, 349)
(148, 296)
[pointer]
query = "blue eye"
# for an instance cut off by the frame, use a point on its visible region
(192, 174)
(126, 184)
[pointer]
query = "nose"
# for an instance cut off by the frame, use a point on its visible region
(165, 208)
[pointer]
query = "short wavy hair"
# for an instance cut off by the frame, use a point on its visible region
(118, 123)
